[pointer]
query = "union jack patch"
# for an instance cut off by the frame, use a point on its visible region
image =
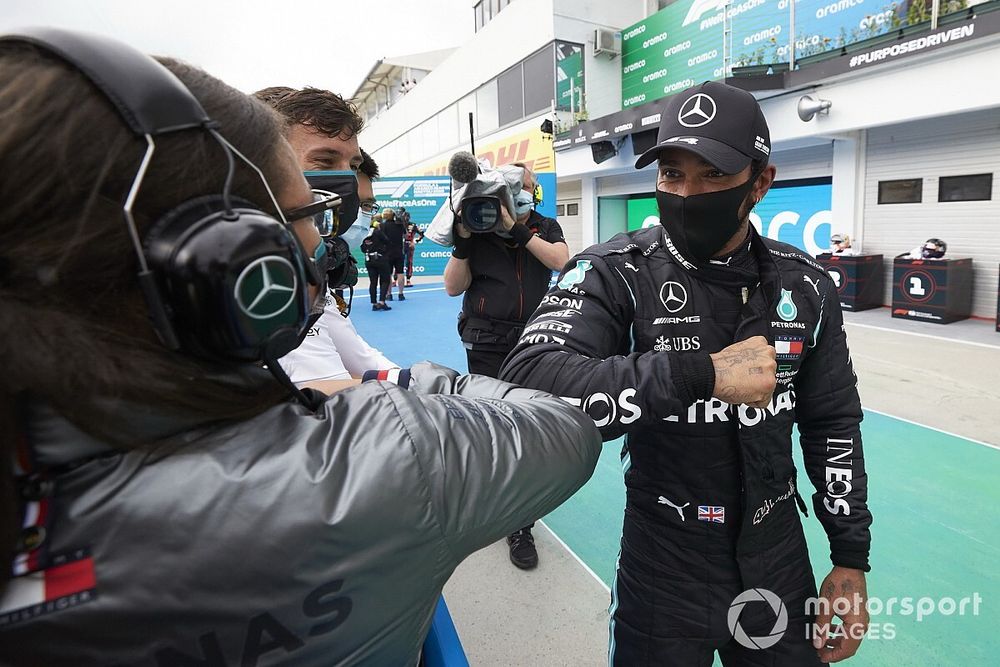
(712, 513)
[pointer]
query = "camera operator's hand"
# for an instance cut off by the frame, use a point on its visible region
(506, 221)
(744, 373)
(460, 229)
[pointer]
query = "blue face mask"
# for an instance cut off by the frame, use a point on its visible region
(523, 203)
(357, 232)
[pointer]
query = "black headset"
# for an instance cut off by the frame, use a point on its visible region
(222, 279)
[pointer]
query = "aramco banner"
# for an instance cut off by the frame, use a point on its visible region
(682, 44)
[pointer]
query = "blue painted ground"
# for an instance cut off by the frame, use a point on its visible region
(935, 499)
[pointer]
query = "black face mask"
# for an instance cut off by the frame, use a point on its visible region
(343, 183)
(700, 225)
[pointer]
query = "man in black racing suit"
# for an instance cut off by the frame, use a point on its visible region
(704, 343)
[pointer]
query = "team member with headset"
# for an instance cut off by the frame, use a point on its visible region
(168, 504)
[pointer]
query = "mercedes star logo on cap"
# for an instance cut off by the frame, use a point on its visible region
(273, 294)
(697, 110)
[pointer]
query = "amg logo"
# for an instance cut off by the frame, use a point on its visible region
(690, 319)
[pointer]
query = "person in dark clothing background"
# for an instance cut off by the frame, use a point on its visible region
(413, 236)
(395, 231)
(706, 343)
(504, 279)
(376, 248)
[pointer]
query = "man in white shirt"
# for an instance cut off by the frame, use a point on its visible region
(322, 128)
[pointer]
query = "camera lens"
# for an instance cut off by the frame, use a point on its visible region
(481, 214)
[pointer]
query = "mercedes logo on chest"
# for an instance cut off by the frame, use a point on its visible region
(697, 110)
(673, 296)
(266, 287)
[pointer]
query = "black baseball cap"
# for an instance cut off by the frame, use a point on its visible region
(720, 123)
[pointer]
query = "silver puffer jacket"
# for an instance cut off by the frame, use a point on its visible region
(291, 538)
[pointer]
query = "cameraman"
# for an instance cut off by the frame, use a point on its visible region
(504, 279)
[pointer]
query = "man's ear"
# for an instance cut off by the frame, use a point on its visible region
(764, 182)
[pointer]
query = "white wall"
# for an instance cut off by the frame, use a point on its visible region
(948, 146)
(938, 84)
(492, 50)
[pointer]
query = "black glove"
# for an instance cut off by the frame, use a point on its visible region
(343, 271)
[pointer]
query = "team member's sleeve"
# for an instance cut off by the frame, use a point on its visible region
(828, 411)
(578, 346)
(554, 234)
(356, 354)
(496, 457)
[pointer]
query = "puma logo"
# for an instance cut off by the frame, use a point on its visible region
(815, 284)
(679, 508)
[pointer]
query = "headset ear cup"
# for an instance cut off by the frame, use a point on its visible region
(233, 289)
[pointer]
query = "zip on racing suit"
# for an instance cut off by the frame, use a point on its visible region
(711, 488)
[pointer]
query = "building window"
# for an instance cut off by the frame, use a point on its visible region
(569, 76)
(906, 191)
(572, 209)
(479, 17)
(510, 94)
(560, 210)
(975, 187)
(487, 111)
(539, 81)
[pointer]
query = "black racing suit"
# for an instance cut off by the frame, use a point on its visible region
(508, 282)
(711, 488)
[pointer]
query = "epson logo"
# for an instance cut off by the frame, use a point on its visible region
(690, 319)
(650, 120)
(551, 299)
(628, 69)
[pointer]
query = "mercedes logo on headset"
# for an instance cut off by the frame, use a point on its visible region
(674, 296)
(697, 110)
(269, 294)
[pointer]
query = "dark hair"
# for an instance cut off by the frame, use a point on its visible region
(75, 333)
(328, 112)
(271, 95)
(368, 166)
